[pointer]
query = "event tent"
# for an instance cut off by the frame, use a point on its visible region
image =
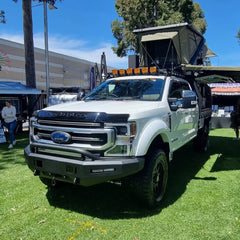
(12, 88)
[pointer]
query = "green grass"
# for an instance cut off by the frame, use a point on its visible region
(202, 200)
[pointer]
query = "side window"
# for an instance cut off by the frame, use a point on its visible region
(185, 86)
(175, 90)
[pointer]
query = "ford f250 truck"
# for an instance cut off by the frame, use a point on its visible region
(128, 126)
(127, 129)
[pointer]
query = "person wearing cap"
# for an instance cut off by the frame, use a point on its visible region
(10, 121)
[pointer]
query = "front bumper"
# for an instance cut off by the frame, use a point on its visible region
(85, 173)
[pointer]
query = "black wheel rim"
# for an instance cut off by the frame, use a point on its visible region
(158, 179)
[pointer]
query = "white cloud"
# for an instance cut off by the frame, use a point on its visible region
(14, 38)
(57, 42)
(74, 48)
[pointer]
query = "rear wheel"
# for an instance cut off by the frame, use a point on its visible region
(201, 142)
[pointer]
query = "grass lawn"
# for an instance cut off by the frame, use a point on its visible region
(202, 200)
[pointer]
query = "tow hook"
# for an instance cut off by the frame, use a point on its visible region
(53, 182)
(75, 181)
(36, 172)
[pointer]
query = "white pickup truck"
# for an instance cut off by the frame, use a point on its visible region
(126, 129)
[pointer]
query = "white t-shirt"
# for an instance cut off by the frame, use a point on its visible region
(9, 114)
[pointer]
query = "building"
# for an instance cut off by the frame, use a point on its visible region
(66, 74)
(64, 71)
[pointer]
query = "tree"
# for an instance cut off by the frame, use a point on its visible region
(29, 48)
(238, 36)
(137, 14)
(198, 18)
(28, 43)
(2, 17)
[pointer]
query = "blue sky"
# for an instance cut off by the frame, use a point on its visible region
(83, 29)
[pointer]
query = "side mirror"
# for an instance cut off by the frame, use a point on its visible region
(175, 103)
(189, 99)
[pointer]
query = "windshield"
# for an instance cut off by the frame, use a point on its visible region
(149, 89)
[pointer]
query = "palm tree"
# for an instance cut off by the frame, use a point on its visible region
(29, 49)
(28, 43)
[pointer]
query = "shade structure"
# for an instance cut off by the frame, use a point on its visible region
(229, 89)
(12, 88)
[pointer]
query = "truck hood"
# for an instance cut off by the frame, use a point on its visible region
(135, 109)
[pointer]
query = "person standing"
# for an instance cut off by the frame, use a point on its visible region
(10, 121)
(235, 119)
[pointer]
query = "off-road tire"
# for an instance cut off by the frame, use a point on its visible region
(149, 185)
(201, 142)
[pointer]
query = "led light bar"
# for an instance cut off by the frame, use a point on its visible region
(134, 71)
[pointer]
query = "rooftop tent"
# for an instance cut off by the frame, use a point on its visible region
(159, 36)
(13, 88)
(189, 44)
(208, 52)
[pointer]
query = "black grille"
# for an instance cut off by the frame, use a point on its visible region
(75, 124)
(94, 139)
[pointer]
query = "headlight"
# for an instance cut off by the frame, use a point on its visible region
(122, 130)
(125, 134)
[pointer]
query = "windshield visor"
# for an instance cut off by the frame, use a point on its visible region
(149, 89)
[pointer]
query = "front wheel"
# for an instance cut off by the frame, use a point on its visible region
(150, 184)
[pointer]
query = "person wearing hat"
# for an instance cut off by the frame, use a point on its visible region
(10, 121)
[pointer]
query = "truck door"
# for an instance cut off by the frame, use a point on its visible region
(183, 120)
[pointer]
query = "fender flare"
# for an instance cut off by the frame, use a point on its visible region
(151, 130)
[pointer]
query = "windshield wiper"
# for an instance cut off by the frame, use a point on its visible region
(99, 97)
(111, 97)
(128, 98)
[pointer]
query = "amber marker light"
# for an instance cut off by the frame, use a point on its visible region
(145, 70)
(129, 71)
(115, 72)
(153, 69)
(122, 71)
(133, 129)
(137, 70)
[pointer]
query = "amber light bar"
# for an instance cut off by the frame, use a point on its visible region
(134, 71)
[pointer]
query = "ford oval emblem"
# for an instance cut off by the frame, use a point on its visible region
(61, 137)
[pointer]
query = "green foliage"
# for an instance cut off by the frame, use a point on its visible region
(136, 14)
(201, 201)
(238, 36)
(2, 17)
(198, 18)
